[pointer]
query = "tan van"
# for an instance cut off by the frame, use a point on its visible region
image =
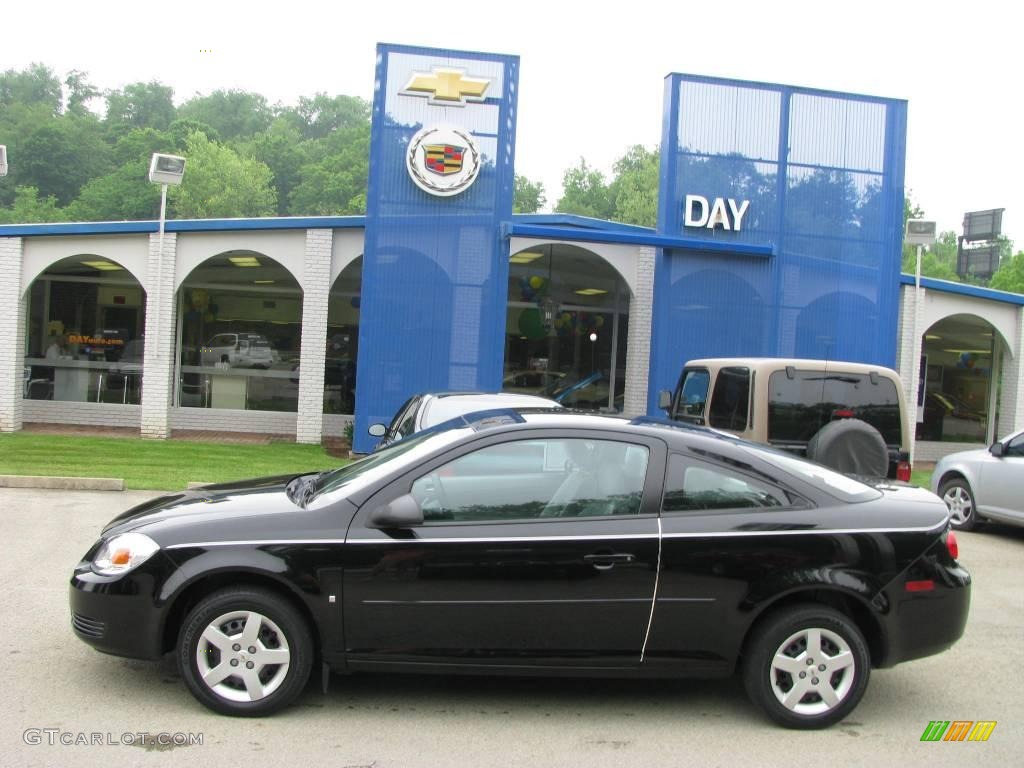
(848, 416)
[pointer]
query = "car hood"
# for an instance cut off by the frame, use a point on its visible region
(975, 454)
(227, 504)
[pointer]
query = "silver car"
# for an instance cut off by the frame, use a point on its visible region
(983, 484)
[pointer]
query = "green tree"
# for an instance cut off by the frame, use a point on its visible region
(233, 114)
(937, 260)
(333, 180)
(140, 105)
(585, 193)
(124, 194)
(29, 208)
(282, 149)
(528, 196)
(35, 85)
(635, 187)
(79, 91)
(322, 115)
(60, 155)
(220, 183)
(1010, 275)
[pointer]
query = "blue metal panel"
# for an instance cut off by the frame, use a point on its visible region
(823, 174)
(435, 269)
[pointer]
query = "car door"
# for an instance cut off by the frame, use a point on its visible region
(537, 548)
(1001, 491)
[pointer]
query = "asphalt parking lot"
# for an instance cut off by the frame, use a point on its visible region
(54, 681)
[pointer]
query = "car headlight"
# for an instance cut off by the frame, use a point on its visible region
(123, 553)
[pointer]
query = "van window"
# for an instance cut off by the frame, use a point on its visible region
(693, 394)
(798, 407)
(731, 399)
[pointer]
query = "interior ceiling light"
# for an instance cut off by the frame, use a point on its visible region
(106, 266)
(244, 261)
(968, 351)
(590, 291)
(525, 257)
(263, 282)
(931, 337)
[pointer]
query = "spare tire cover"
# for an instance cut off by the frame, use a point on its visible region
(852, 446)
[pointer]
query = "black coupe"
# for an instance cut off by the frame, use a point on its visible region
(543, 543)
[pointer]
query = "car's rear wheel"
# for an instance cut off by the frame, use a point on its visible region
(963, 514)
(245, 651)
(807, 667)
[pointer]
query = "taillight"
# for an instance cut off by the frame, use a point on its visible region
(842, 413)
(903, 470)
(952, 546)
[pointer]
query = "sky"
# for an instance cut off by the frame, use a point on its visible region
(591, 74)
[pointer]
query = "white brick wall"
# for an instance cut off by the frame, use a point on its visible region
(229, 420)
(334, 424)
(316, 287)
(12, 334)
(99, 414)
(638, 342)
(1011, 413)
(908, 357)
(158, 362)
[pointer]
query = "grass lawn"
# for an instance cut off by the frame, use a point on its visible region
(154, 464)
(922, 477)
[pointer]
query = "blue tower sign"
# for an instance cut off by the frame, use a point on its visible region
(435, 264)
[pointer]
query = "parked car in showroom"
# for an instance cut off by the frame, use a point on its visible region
(548, 542)
(848, 416)
(431, 408)
(984, 484)
(239, 350)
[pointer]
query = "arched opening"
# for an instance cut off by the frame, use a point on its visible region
(239, 333)
(85, 332)
(819, 324)
(566, 328)
(959, 387)
(343, 340)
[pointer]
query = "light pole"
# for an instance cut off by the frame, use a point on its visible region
(163, 170)
(3, 160)
(920, 233)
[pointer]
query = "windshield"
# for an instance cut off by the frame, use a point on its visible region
(834, 483)
(382, 462)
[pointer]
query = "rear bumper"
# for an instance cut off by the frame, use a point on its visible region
(925, 623)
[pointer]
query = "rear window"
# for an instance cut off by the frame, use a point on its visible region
(799, 406)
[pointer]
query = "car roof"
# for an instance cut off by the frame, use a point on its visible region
(440, 407)
(773, 363)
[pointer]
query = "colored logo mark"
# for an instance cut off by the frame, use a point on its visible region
(443, 159)
(958, 730)
(447, 87)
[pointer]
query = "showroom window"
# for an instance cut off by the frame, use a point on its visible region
(239, 332)
(342, 351)
(85, 333)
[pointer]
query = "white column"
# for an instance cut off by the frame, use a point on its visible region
(316, 288)
(159, 350)
(12, 328)
(1011, 405)
(909, 353)
(638, 340)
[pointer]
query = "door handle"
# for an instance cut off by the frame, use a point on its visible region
(608, 560)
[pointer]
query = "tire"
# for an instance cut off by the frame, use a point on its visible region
(772, 684)
(261, 682)
(851, 446)
(963, 512)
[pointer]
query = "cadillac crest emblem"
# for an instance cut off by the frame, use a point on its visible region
(443, 160)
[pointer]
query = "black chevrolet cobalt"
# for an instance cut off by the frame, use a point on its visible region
(542, 543)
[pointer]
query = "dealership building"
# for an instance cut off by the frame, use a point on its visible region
(779, 234)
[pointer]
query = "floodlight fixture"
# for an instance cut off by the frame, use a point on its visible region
(166, 169)
(3, 160)
(920, 232)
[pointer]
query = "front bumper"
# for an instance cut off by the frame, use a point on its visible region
(118, 614)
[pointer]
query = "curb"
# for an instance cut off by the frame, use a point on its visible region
(63, 483)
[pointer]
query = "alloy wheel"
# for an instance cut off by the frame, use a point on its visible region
(243, 656)
(812, 671)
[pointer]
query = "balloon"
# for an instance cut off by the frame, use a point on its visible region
(530, 324)
(599, 321)
(536, 282)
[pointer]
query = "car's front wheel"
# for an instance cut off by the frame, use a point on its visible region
(963, 514)
(807, 667)
(245, 651)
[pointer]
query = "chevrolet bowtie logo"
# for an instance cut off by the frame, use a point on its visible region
(447, 87)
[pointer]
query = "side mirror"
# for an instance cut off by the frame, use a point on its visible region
(664, 400)
(403, 512)
(377, 430)
(996, 449)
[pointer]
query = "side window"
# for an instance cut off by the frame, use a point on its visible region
(536, 479)
(693, 394)
(1015, 447)
(408, 423)
(402, 415)
(695, 485)
(731, 399)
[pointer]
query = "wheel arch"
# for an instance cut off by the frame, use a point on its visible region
(189, 595)
(850, 604)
